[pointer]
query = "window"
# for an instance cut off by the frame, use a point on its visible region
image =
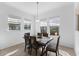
(54, 29)
(14, 24)
(43, 27)
(27, 25)
(54, 25)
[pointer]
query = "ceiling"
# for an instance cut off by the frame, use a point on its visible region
(31, 7)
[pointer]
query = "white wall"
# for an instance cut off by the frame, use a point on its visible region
(66, 14)
(76, 29)
(10, 38)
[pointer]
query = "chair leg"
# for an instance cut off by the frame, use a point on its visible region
(30, 50)
(56, 54)
(46, 52)
(25, 48)
(42, 53)
(42, 50)
(36, 52)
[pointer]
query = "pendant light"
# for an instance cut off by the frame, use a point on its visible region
(37, 20)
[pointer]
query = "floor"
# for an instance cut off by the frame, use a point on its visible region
(18, 50)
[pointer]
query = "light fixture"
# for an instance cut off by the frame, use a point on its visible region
(37, 20)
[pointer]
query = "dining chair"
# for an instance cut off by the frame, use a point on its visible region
(36, 45)
(26, 37)
(53, 33)
(33, 44)
(44, 47)
(29, 42)
(53, 48)
(39, 35)
(45, 34)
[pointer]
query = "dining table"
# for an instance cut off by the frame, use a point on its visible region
(44, 40)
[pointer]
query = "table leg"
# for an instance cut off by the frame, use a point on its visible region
(36, 51)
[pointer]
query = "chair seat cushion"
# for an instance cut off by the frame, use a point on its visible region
(51, 47)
